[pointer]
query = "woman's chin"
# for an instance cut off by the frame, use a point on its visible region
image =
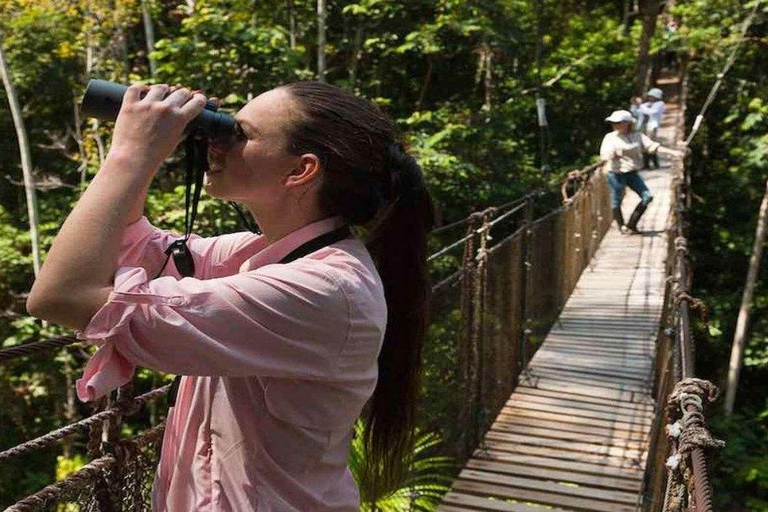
(211, 183)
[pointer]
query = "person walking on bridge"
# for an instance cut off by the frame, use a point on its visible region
(622, 150)
(652, 109)
(283, 339)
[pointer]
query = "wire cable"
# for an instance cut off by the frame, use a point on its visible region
(731, 59)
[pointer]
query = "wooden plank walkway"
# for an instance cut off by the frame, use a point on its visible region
(574, 434)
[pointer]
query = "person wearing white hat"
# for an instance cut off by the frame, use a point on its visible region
(652, 109)
(622, 150)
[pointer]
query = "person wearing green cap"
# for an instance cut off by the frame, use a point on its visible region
(622, 150)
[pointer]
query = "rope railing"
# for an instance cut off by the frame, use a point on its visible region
(26, 349)
(677, 476)
(688, 484)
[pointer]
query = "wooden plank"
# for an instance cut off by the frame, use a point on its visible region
(613, 375)
(553, 475)
(512, 405)
(556, 428)
(594, 363)
(556, 385)
(642, 411)
(564, 436)
(565, 445)
(627, 473)
(645, 344)
(554, 453)
(575, 397)
(550, 486)
(573, 420)
(457, 503)
(629, 352)
(595, 380)
(639, 352)
(584, 437)
(603, 340)
(571, 502)
(595, 356)
(640, 346)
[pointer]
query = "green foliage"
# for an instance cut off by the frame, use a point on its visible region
(425, 482)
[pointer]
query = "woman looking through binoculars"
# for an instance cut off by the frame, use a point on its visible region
(283, 339)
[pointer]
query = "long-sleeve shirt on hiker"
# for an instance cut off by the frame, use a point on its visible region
(278, 361)
(654, 112)
(624, 152)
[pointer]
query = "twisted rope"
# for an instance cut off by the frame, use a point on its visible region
(26, 349)
(128, 409)
(681, 244)
(688, 434)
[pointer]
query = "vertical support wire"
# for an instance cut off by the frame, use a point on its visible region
(526, 266)
(479, 340)
(465, 341)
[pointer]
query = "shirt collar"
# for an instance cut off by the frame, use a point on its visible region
(278, 250)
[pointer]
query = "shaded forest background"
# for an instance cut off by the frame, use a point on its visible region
(460, 78)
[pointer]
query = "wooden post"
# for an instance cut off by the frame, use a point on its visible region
(739, 339)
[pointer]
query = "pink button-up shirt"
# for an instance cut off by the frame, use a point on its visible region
(278, 360)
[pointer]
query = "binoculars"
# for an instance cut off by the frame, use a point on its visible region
(102, 100)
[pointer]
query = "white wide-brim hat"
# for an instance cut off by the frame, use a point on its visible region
(655, 93)
(620, 116)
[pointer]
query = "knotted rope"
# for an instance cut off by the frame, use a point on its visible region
(687, 431)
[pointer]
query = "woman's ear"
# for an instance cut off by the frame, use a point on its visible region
(305, 172)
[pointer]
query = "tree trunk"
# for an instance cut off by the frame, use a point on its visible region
(26, 158)
(292, 24)
(357, 54)
(425, 84)
(739, 339)
(488, 82)
(649, 13)
(321, 17)
(149, 34)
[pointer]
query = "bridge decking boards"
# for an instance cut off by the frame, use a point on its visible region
(574, 434)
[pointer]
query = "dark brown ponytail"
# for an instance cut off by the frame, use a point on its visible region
(372, 181)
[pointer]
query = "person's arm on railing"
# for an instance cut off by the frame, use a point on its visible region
(655, 147)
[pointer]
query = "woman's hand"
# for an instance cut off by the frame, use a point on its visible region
(148, 129)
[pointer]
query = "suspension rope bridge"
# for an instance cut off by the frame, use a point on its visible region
(575, 433)
(586, 423)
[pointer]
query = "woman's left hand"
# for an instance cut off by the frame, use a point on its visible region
(148, 129)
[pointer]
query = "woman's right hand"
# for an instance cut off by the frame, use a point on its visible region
(148, 129)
